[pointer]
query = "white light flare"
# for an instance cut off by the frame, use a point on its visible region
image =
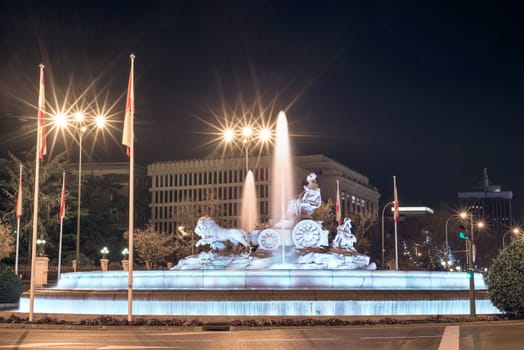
(228, 135)
(100, 121)
(265, 135)
(79, 116)
(246, 132)
(60, 120)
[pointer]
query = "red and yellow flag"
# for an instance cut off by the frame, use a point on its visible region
(395, 199)
(19, 204)
(128, 132)
(42, 147)
(338, 209)
(62, 199)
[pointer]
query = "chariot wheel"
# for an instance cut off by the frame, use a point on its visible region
(306, 233)
(269, 239)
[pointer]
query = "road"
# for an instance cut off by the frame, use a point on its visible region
(478, 336)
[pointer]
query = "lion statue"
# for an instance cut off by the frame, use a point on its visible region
(215, 236)
(344, 238)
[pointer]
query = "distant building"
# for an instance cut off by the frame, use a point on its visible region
(200, 184)
(493, 206)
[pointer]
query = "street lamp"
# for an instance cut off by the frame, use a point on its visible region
(470, 241)
(81, 124)
(247, 134)
(383, 210)
(41, 246)
(104, 251)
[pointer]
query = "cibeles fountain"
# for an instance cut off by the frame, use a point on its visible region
(286, 268)
(266, 248)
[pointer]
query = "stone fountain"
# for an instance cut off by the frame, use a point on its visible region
(286, 269)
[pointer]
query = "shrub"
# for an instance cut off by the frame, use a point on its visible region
(10, 286)
(506, 280)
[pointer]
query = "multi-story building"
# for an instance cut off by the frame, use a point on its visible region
(356, 193)
(214, 186)
(488, 203)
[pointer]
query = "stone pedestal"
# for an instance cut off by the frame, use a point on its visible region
(41, 269)
(104, 263)
(125, 265)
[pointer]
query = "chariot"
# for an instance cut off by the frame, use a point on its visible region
(305, 233)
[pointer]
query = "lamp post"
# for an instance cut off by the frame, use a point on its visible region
(104, 262)
(81, 131)
(246, 134)
(81, 127)
(41, 246)
(470, 243)
(383, 210)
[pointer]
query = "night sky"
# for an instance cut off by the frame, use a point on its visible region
(429, 91)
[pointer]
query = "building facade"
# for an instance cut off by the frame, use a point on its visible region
(488, 203)
(193, 188)
(356, 193)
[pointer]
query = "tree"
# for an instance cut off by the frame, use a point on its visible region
(363, 223)
(48, 200)
(152, 247)
(325, 214)
(100, 199)
(506, 279)
(420, 254)
(186, 216)
(10, 285)
(6, 241)
(446, 218)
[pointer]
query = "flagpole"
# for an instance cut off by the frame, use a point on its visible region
(33, 242)
(338, 208)
(395, 219)
(18, 216)
(39, 154)
(17, 244)
(62, 208)
(396, 247)
(130, 113)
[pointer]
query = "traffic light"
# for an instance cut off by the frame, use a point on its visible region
(464, 236)
(469, 274)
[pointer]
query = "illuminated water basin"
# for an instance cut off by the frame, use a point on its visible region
(271, 279)
(259, 308)
(263, 293)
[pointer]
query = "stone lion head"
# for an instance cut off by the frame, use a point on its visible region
(204, 227)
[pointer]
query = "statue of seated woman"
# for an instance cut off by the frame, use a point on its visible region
(309, 200)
